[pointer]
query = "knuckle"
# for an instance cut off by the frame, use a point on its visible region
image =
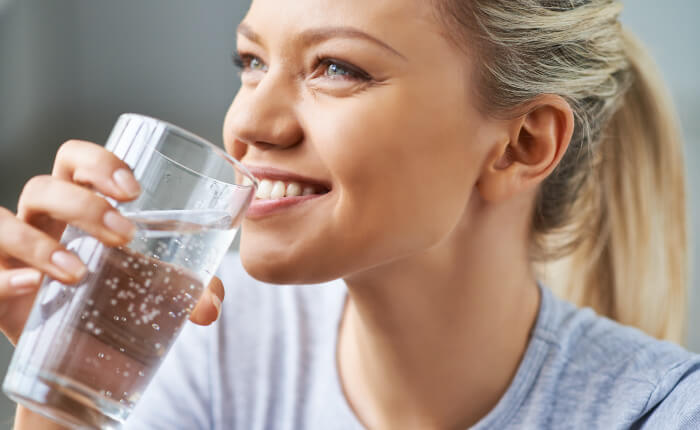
(33, 186)
(65, 148)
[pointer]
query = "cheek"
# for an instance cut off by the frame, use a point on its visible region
(405, 167)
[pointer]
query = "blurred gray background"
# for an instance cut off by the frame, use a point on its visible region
(68, 68)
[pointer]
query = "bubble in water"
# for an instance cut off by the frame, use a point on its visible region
(155, 326)
(90, 302)
(125, 374)
(123, 319)
(172, 314)
(90, 325)
(97, 331)
(192, 287)
(147, 283)
(141, 373)
(121, 349)
(113, 302)
(95, 313)
(157, 345)
(101, 355)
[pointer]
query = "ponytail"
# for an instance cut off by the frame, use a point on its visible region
(609, 224)
(633, 266)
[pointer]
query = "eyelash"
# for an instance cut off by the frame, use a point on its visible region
(242, 61)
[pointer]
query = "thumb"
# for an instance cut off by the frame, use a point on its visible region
(209, 306)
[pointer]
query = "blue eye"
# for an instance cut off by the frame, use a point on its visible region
(256, 64)
(337, 69)
(248, 62)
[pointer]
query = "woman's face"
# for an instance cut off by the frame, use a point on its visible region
(369, 98)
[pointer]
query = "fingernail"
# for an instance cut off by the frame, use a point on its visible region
(118, 224)
(26, 279)
(68, 263)
(126, 181)
(217, 304)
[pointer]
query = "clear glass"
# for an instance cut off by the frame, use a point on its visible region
(88, 351)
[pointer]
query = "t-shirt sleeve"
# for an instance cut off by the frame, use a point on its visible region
(179, 395)
(680, 408)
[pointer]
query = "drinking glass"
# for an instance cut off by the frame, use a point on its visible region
(88, 351)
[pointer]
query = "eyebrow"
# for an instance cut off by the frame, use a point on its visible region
(318, 35)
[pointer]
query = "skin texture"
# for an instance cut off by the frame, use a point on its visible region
(428, 217)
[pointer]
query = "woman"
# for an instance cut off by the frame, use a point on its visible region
(463, 154)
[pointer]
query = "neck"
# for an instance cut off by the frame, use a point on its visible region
(440, 333)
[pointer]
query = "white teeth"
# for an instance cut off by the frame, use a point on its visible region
(293, 189)
(273, 190)
(264, 189)
(307, 191)
(277, 190)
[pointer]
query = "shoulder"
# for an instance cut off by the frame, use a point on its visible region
(607, 373)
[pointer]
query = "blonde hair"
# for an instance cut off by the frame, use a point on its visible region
(609, 227)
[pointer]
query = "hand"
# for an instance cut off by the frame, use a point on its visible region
(29, 240)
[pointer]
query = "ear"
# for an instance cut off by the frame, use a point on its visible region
(533, 146)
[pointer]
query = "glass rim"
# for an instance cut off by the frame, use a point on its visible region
(195, 139)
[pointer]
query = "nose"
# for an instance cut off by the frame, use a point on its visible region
(264, 116)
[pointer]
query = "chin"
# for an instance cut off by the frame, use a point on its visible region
(285, 268)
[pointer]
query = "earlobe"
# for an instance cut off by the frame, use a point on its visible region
(535, 145)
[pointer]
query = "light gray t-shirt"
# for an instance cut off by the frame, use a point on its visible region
(269, 363)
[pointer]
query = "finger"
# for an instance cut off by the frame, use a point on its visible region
(89, 164)
(37, 249)
(75, 205)
(19, 282)
(208, 308)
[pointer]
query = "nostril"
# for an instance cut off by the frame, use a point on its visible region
(264, 146)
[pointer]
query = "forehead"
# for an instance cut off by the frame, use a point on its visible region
(386, 19)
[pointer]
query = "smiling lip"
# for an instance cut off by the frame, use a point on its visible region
(263, 207)
(272, 173)
(260, 208)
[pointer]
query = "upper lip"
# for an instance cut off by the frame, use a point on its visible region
(264, 172)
